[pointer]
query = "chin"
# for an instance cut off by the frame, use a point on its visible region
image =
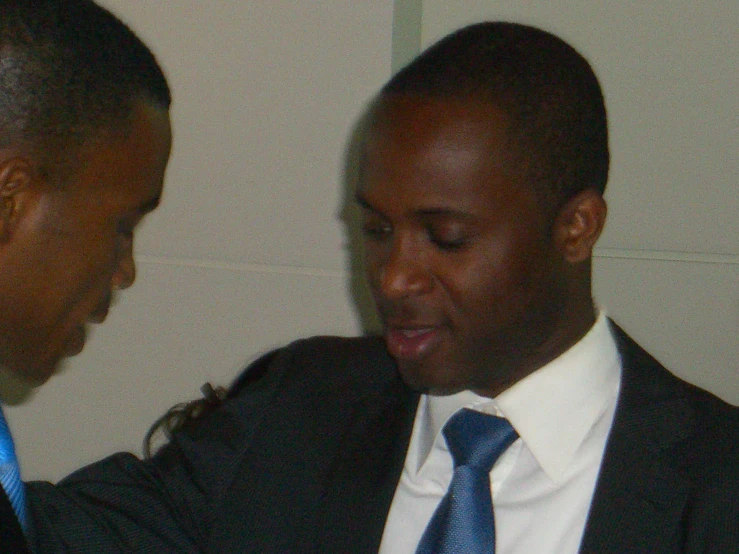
(42, 372)
(426, 380)
(39, 377)
(17, 386)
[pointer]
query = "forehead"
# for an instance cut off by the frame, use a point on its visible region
(127, 162)
(442, 122)
(437, 149)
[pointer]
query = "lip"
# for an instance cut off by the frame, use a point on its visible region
(411, 342)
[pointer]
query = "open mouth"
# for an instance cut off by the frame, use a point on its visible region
(412, 342)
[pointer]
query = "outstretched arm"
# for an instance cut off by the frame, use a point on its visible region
(166, 504)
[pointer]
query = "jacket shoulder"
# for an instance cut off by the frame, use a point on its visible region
(347, 360)
(706, 427)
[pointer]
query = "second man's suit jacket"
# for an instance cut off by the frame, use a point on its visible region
(306, 454)
(12, 540)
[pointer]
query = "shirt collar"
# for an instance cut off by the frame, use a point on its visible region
(553, 409)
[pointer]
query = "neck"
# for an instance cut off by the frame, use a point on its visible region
(566, 330)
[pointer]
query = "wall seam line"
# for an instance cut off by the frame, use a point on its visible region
(241, 267)
(667, 255)
(606, 253)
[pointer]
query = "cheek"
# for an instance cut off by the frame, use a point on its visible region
(472, 282)
(374, 256)
(370, 261)
(489, 288)
(90, 269)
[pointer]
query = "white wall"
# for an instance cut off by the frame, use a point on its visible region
(247, 251)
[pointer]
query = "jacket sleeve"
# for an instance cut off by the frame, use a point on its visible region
(166, 504)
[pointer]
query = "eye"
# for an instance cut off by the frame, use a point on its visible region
(448, 238)
(375, 227)
(449, 245)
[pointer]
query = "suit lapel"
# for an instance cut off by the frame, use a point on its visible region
(639, 496)
(325, 453)
(364, 478)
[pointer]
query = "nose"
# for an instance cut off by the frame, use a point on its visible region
(402, 271)
(125, 272)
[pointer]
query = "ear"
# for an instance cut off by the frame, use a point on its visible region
(579, 224)
(16, 177)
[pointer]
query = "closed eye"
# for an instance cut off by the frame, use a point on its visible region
(447, 244)
(448, 235)
(375, 228)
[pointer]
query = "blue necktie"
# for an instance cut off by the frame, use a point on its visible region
(10, 477)
(464, 523)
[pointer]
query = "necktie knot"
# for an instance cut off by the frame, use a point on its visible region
(476, 439)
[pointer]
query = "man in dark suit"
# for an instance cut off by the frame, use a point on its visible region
(84, 142)
(481, 185)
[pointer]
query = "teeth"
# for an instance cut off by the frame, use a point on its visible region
(410, 333)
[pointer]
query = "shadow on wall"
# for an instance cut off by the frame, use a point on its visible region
(351, 216)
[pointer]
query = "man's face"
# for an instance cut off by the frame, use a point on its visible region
(68, 248)
(459, 254)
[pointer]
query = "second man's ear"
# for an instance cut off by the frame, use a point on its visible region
(579, 224)
(16, 177)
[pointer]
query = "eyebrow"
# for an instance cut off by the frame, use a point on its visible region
(427, 212)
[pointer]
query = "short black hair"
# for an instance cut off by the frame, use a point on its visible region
(558, 123)
(69, 70)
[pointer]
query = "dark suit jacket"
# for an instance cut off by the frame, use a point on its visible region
(306, 454)
(12, 540)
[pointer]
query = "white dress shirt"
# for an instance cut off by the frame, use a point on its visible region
(542, 486)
